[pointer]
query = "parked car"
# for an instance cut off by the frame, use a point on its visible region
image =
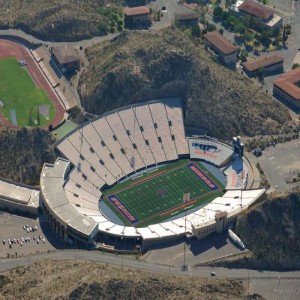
(3, 242)
(35, 227)
(44, 240)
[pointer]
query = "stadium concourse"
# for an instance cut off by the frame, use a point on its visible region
(113, 148)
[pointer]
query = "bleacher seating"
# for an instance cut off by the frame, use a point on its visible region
(117, 144)
(174, 113)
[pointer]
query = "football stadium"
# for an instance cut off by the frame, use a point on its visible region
(132, 176)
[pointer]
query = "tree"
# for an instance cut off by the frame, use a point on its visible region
(239, 28)
(243, 55)
(196, 32)
(211, 27)
(217, 13)
(248, 36)
(229, 3)
(295, 65)
(256, 44)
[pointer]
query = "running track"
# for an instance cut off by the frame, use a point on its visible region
(13, 49)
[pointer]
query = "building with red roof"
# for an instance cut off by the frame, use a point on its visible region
(271, 63)
(258, 11)
(287, 87)
(137, 15)
(225, 50)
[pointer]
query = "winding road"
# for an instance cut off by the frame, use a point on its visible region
(120, 261)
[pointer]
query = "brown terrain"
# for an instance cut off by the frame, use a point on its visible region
(85, 280)
(55, 19)
(139, 66)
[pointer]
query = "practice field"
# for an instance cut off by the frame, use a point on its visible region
(21, 101)
(158, 195)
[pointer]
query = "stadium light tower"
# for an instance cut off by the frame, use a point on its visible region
(186, 199)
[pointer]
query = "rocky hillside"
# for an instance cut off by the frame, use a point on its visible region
(271, 231)
(138, 66)
(71, 19)
(23, 153)
(83, 280)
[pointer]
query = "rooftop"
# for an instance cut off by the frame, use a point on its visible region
(220, 42)
(289, 83)
(263, 61)
(256, 9)
(52, 178)
(186, 16)
(20, 194)
(65, 54)
(137, 11)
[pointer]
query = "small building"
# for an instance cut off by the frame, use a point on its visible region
(287, 87)
(222, 48)
(270, 63)
(66, 58)
(19, 198)
(187, 18)
(137, 15)
(258, 11)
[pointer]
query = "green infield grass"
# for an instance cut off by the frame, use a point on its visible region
(20, 97)
(158, 195)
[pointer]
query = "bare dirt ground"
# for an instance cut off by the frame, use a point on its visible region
(86, 280)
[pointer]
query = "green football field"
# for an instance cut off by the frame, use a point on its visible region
(21, 98)
(158, 195)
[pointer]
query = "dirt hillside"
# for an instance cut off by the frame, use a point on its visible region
(139, 66)
(83, 280)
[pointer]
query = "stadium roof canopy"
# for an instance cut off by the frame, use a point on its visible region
(19, 194)
(52, 179)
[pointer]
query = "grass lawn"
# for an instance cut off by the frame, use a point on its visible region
(158, 195)
(18, 92)
(63, 130)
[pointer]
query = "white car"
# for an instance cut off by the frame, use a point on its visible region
(35, 227)
(30, 229)
(22, 239)
(44, 241)
(27, 230)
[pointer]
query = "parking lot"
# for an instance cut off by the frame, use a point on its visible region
(281, 165)
(23, 241)
(212, 247)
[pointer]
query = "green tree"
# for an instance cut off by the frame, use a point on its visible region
(243, 55)
(295, 65)
(196, 31)
(239, 28)
(217, 13)
(256, 44)
(211, 27)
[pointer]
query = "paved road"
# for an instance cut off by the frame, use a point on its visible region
(172, 7)
(116, 260)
